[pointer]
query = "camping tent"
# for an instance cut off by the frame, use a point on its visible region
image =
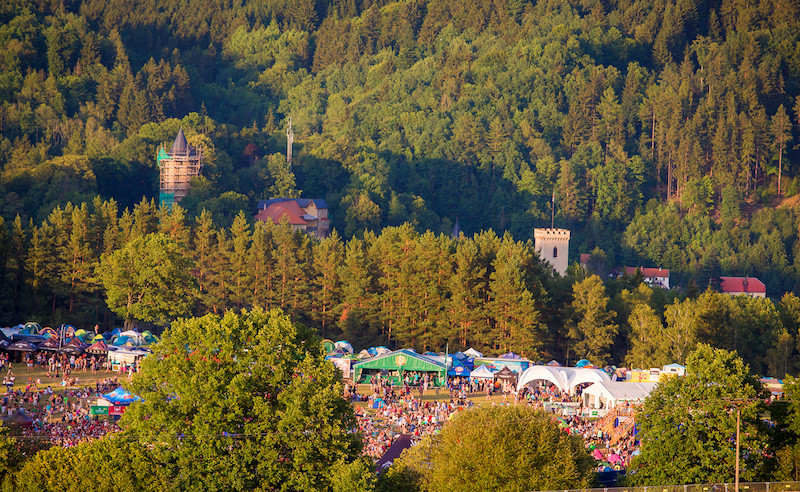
(396, 363)
(344, 345)
(134, 337)
(510, 355)
(149, 338)
(609, 394)
(328, 346)
(482, 372)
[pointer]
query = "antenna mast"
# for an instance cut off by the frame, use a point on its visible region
(553, 210)
(289, 141)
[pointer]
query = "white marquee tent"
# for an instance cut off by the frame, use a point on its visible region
(564, 378)
(482, 372)
(609, 394)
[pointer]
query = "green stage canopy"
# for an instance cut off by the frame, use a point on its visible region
(401, 361)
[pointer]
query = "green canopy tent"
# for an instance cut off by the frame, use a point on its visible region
(395, 364)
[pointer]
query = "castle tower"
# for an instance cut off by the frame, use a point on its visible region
(553, 246)
(177, 168)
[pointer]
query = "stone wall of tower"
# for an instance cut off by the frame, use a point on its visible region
(553, 246)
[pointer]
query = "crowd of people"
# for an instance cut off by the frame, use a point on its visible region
(57, 417)
(387, 411)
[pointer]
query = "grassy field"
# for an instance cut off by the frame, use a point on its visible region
(83, 378)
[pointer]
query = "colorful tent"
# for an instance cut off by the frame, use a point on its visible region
(47, 331)
(458, 370)
(32, 328)
(149, 338)
(22, 346)
(121, 396)
(75, 346)
(342, 344)
(398, 362)
(134, 337)
(98, 347)
(51, 344)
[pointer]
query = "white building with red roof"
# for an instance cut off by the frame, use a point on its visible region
(749, 286)
(654, 277)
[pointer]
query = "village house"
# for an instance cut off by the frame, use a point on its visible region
(306, 214)
(654, 277)
(749, 286)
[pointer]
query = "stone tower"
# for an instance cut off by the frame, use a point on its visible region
(553, 246)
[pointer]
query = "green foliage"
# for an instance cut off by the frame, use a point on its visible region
(688, 424)
(147, 279)
(530, 452)
(130, 466)
(244, 402)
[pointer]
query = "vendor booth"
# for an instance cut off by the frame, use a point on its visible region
(126, 357)
(506, 377)
(395, 365)
(483, 372)
(610, 394)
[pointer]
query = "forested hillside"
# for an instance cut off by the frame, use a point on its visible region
(665, 132)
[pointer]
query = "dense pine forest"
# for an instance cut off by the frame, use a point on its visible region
(661, 133)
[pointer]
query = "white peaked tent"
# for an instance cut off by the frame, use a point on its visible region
(482, 372)
(471, 352)
(136, 337)
(564, 378)
(613, 393)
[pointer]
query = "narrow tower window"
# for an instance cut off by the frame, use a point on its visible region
(555, 252)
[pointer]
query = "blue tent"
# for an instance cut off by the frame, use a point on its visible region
(120, 396)
(121, 340)
(458, 370)
(583, 363)
(509, 355)
(379, 403)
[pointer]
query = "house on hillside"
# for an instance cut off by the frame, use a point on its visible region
(749, 286)
(306, 214)
(654, 277)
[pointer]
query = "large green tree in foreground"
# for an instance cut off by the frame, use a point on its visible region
(688, 424)
(501, 448)
(243, 402)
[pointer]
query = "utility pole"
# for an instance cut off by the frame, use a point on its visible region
(289, 141)
(736, 478)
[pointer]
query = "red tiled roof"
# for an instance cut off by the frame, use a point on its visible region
(751, 285)
(277, 210)
(648, 272)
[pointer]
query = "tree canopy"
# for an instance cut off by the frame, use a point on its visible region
(688, 424)
(242, 402)
(496, 448)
